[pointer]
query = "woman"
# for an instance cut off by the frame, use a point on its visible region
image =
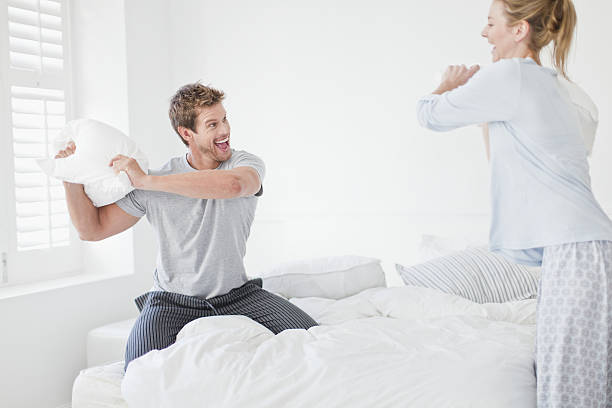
(544, 212)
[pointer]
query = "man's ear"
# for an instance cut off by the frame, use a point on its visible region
(521, 30)
(186, 134)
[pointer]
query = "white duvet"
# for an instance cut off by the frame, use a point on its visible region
(385, 347)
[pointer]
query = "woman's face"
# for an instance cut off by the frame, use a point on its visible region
(499, 34)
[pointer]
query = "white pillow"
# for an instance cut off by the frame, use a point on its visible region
(433, 246)
(96, 144)
(476, 274)
(334, 277)
(588, 114)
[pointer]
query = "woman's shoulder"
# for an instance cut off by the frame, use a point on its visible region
(504, 73)
(503, 67)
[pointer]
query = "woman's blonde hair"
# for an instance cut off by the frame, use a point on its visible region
(549, 20)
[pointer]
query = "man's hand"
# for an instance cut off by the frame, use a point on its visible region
(132, 169)
(455, 76)
(70, 149)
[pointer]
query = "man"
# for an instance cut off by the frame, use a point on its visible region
(201, 205)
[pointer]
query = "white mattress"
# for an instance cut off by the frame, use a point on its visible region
(106, 344)
(453, 353)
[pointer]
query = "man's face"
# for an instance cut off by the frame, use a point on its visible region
(212, 133)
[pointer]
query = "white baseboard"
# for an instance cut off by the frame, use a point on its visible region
(66, 405)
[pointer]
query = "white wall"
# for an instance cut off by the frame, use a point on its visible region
(123, 53)
(99, 82)
(325, 93)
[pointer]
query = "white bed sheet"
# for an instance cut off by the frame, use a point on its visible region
(404, 347)
(99, 387)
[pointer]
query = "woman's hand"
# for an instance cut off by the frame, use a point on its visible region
(132, 169)
(70, 149)
(455, 76)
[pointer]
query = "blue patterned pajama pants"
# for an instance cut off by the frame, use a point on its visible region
(574, 326)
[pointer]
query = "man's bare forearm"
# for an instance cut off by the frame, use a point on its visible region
(85, 216)
(198, 184)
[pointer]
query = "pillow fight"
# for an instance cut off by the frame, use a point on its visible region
(202, 203)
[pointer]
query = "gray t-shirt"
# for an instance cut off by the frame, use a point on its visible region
(202, 242)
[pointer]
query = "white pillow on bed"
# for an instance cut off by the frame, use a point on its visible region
(333, 277)
(96, 144)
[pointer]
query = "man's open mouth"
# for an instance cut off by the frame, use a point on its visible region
(223, 144)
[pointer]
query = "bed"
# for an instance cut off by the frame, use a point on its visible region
(384, 347)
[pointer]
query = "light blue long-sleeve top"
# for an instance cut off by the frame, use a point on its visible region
(540, 185)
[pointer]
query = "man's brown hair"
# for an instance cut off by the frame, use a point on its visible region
(186, 103)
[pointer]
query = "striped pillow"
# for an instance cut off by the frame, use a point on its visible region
(475, 274)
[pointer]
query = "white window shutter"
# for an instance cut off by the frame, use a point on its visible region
(36, 56)
(35, 35)
(37, 80)
(41, 212)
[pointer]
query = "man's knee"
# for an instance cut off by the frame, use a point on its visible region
(283, 315)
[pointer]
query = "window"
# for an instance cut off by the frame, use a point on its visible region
(39, 242)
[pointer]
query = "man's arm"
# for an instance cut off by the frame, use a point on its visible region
(91, 222)
(238, 182)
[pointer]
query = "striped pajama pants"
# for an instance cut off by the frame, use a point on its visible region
(574, 326)
(164, 314)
